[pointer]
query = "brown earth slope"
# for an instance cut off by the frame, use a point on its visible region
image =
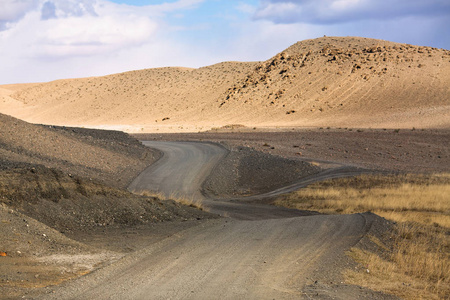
(69, 178)
(62, 203)
(329, 81)
(111, 157)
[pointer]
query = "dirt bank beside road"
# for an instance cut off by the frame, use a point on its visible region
(63, 209)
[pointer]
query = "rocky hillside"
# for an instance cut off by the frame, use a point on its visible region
(348, 82)
(329, 81)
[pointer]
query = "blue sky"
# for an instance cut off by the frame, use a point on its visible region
(43, 40)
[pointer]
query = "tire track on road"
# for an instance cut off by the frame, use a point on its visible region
(275, 254)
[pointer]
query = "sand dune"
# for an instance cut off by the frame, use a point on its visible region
(330, 81)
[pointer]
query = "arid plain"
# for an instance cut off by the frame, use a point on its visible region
(322, 170)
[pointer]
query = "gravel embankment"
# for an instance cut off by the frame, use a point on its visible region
(111, 157)
(245, 171)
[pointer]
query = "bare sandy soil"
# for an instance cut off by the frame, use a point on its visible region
(64, 210)
(329, 81)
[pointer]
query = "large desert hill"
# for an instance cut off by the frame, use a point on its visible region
(329, 81)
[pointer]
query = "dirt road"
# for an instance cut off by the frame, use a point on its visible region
(185, 165)
(277, 254)
(181, 170)
(227, 259)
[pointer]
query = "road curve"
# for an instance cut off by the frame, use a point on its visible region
(274, 255)
(182, 169)
(185, 165)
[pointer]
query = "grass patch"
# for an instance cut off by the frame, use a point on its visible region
(415, 260)
(188, 201)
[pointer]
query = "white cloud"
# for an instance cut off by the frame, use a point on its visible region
(342, 11)
(13, 10)
(261, 40)
(75, 30)
(405, 21)
(177, 5)
(68, 38)
(155, 10)
(91, 35)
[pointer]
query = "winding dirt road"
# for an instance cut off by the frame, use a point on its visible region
(181, 170)
(276, 254)
(184, 166)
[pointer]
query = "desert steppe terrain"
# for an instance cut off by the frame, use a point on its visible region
(321, 173)
(339, 82)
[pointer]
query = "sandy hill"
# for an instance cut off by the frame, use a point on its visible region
(329, 81)
(348, 82)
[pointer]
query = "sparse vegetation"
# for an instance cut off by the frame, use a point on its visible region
(188, 201)
(68, 201)
(415, 261)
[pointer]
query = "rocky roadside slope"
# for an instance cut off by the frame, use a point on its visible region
(60, 188)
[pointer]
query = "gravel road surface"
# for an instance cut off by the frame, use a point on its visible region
(181, 170)
(227, 259)
(276, 254)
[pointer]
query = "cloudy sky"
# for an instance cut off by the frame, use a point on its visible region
(43, 40)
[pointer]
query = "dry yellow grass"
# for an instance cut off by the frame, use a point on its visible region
(423, 199)
(188, 201)
(415, 263)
